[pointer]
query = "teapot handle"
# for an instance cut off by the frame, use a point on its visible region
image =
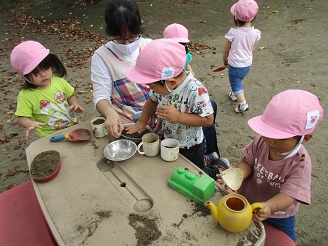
(257, 205)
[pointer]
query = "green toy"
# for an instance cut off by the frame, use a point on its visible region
(197, 188)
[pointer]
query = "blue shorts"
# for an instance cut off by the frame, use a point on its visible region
(236, 76)
(287, 225)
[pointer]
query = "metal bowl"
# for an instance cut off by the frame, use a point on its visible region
(120, 150)
(135, 139)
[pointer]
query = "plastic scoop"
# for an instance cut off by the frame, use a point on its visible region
(219, 69)
(77, 135)
(232, 177)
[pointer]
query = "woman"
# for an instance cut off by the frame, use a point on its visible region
(113, 93)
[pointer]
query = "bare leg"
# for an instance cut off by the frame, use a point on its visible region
(241, 97)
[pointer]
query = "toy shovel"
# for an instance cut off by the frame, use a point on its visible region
(219, 69)
(77, 135)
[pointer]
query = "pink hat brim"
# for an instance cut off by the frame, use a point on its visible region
(180, 40)
(134, 75)
(36, 61)
(265, 130)
(232, 9)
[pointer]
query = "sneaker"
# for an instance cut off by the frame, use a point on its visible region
(220, 165)
(242, 108)
(232, 96)
(211, 158)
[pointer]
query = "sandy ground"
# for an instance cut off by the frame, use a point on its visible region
(291, 55)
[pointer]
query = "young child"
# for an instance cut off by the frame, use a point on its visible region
(179, 33)
(47, 102)
(276, 166)
(238, 51)
(177, 97)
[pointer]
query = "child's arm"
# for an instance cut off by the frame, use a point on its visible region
(29, 124)
(147, 111)
(279, 202)
(245, 167)
(225, 55)
(74, 105)
(189, 68)
(170, 113)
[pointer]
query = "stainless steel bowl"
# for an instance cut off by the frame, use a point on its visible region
(120, 150)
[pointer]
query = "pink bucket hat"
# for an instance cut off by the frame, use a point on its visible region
(160, 60)
(26, 56)
(176, 32)
(289, 113)
(245, 10)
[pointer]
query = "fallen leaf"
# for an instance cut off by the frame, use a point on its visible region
(12, 172)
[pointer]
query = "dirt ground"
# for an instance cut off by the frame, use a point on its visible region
(291, 55)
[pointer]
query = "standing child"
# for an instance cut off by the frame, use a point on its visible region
(179, 33)
(238, 51)
(47, 102)
(276, 166)
(177, 97)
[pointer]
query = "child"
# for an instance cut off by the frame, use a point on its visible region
(177, 97)
(238, 51)
(179, 33)
(46, 102)
(276, 166)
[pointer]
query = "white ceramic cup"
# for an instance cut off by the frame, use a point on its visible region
(170, 149)
(150, 144)
(98, 127)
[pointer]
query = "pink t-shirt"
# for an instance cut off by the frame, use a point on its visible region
(291, 176)
(242, 41)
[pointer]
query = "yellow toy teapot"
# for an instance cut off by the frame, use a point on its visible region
(233, 212)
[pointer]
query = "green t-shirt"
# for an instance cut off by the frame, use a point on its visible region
(48, 106)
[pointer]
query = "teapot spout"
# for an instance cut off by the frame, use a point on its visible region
(213, 209)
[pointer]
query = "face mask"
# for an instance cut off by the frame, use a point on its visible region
(294, 151)
(127, 49)
(168, 87)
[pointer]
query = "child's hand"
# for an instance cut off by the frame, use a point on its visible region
(224, 185)
(153, 121)
(169, 113)
(262, 213)
(32, 127)
(76, 107)
(138, 127)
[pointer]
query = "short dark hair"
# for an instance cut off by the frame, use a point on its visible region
(50, 60)
(240, 22)
(186, 47)
(122, 16)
